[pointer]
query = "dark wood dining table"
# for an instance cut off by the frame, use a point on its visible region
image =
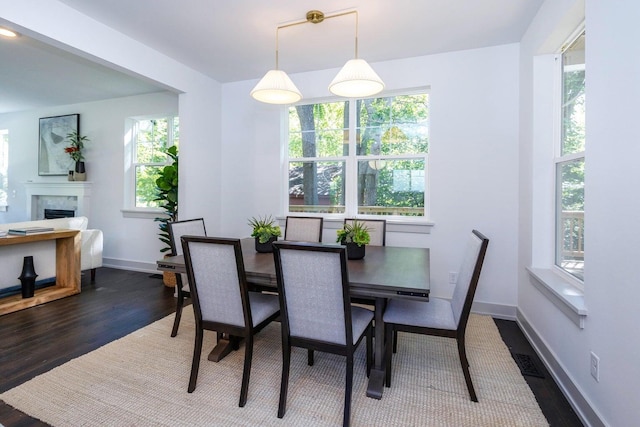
(385, 272)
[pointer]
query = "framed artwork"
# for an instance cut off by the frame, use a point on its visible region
(52, 159)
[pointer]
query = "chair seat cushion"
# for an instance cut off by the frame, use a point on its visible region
(360, 319)
(262, 306)
(437, 313)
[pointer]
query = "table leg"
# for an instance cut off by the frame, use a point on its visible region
(223, 347)
(376, 377)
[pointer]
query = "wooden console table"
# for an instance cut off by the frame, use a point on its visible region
(67, 269)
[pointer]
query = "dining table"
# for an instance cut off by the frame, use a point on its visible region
(385, 272)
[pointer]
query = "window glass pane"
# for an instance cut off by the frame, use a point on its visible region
(570, 224)
(393, 125)
(146, 185)
(391, 187)
(573, 97)
(152, 139)
(316, 186)
(318, 130)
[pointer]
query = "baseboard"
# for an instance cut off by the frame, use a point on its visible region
(121, 264)
(498, 311)
(570, 389)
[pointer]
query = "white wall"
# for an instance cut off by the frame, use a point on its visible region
(611, 206)
(473, 159)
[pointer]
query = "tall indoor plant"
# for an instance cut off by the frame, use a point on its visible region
(167, 198)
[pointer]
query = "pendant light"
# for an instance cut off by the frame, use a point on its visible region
(356, 79)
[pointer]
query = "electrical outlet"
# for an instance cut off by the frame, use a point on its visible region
(595, 366)
(453, 277)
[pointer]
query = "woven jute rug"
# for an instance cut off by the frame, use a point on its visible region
(141, 380)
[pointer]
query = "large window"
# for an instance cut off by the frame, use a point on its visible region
(150, 138)
(364, 157)
(570, 162)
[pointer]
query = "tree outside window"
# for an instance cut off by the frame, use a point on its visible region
(365, 157)
(570, 165)
(152, 138)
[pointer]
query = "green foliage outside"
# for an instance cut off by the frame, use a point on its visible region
(154, 136)
(387, 129)
(573, 139)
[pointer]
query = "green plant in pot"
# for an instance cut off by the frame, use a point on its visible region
(167, 198)
(74, 150)
(265, 232)
(355, 236)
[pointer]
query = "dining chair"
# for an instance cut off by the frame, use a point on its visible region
(303, 229)
(177, 229)
(222, 301)
(377, 229)
(438, 316)
(316, 314)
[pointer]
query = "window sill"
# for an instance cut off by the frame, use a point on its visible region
(393, 225)
(140, 213)
(568, 298)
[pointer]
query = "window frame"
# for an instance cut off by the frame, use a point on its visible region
(559, 160)
(351, 162)
(130, 141)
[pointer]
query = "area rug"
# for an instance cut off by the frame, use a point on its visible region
(141, 380)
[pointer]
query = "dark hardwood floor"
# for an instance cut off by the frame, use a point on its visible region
(35, 340)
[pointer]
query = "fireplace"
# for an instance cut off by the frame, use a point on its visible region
(58, 213)
(62, 195)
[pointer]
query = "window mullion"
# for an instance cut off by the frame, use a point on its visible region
(351, 184)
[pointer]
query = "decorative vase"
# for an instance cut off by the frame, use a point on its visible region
(28, 277)
(354, 251)
(266, 246)
(80, 174)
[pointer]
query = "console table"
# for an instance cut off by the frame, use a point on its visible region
(67, 269)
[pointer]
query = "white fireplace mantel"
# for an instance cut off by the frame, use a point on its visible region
(80, 190)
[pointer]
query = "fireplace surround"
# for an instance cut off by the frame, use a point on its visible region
(63, 195)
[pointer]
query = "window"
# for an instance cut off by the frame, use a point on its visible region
(149, 139)
(570, 162)
(364, 157)
(4, 167)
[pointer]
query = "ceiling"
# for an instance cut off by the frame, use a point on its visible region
(235, 40)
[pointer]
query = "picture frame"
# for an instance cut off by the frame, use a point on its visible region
(52, 158)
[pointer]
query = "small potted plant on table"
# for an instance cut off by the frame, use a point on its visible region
(265, 233)
(355, 236)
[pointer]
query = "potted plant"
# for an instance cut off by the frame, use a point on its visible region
(355, 236)
(265, 232)
(167, 198)
(74, 150)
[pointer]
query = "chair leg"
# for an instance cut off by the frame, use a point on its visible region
(93, 275)
(248, 354)
(348, 391)
(284, 382)
(388, 333)
(176, 321)
(309, 357)
(395, 341)
(195, 364)
(369, 349)
(465, 369)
